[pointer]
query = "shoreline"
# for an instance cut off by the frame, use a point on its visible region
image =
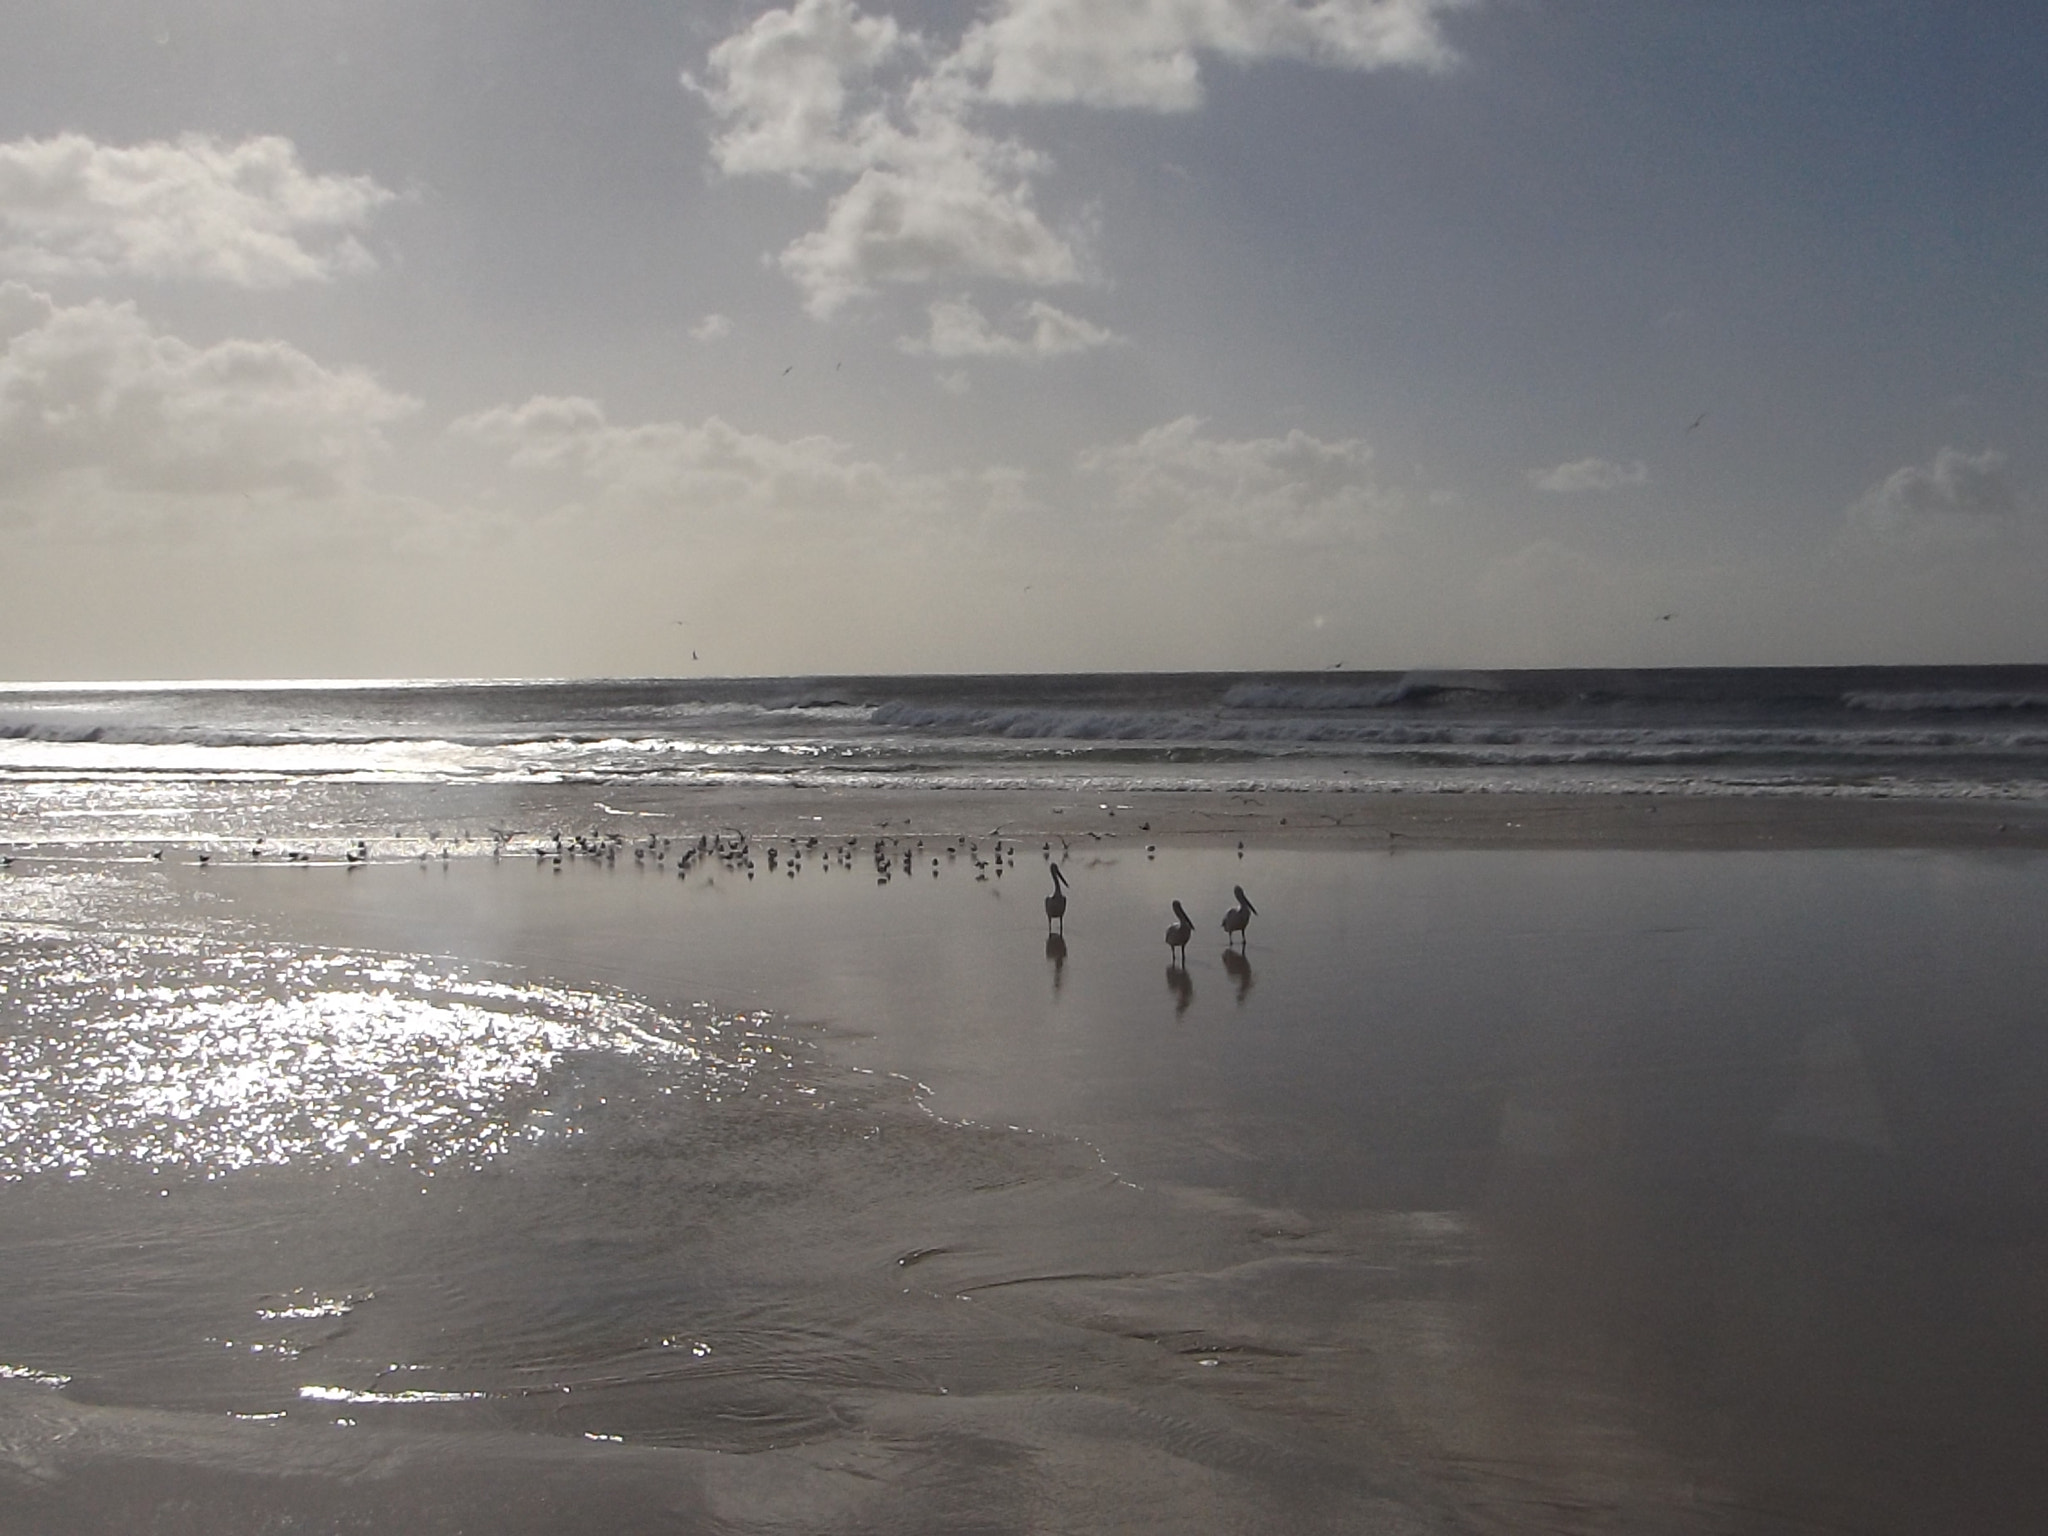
(404, 820)
(1365, 820)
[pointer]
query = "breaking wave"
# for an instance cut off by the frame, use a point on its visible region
(1980, 725)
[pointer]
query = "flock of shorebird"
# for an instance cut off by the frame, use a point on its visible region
(1235, 921)
(735, 851)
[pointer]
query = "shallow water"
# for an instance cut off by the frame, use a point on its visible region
(1483, 1191)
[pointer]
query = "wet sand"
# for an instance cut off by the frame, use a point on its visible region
(1372, 820)
(1305, 819)
(401, 819)
(1568, 1166)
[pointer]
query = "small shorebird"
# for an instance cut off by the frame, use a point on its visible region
(1239, 917)
(1056, 903)
(1178, 935)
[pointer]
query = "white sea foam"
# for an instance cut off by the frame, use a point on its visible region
(320, 1394)
(40, 1378)
(1955, 700)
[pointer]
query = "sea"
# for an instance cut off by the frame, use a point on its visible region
(1924, 731)
(418, 1114)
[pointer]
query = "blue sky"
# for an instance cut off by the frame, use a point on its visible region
(461, 339)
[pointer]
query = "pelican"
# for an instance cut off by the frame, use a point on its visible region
(1239, 917)
(1056, 903)
(1178, 935)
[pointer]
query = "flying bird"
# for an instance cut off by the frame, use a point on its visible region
(1056, 903)
(1239, 917)
(1178, 935)
(1697, 422)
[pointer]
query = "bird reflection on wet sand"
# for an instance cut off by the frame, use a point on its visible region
(1056, 952)
(1240, 971)
(1182, 986)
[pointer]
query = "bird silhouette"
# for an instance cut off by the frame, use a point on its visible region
(1056, 903)
(1239, 917)
(1182, 930)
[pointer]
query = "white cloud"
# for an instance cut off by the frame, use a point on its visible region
(1297, 488)
(1590, 475)
(246, 213)
(953, 218)
(712, 328)
(712, 474)
(1960, 498)
(93, 390)
(823, 90)
(783, 87)
(958, 329)
(931, 197)
(1146, 53)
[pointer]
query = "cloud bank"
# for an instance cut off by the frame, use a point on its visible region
(93, 389)
(1294, 489)
(958, 329)
(247, 214)
(1957, 499)
(1146, 54)
(712, 476)
(1590, 475)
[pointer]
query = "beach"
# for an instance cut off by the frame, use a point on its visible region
(1023, 768)
(1610, 1163)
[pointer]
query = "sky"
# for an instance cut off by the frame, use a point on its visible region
(497, 338)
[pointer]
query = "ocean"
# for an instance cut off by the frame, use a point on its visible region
(670, 1106)
(1920, 730)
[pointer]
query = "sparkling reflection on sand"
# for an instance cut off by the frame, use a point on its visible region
(177, 1054)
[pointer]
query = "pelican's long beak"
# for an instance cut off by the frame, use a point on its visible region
(1250, 908)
